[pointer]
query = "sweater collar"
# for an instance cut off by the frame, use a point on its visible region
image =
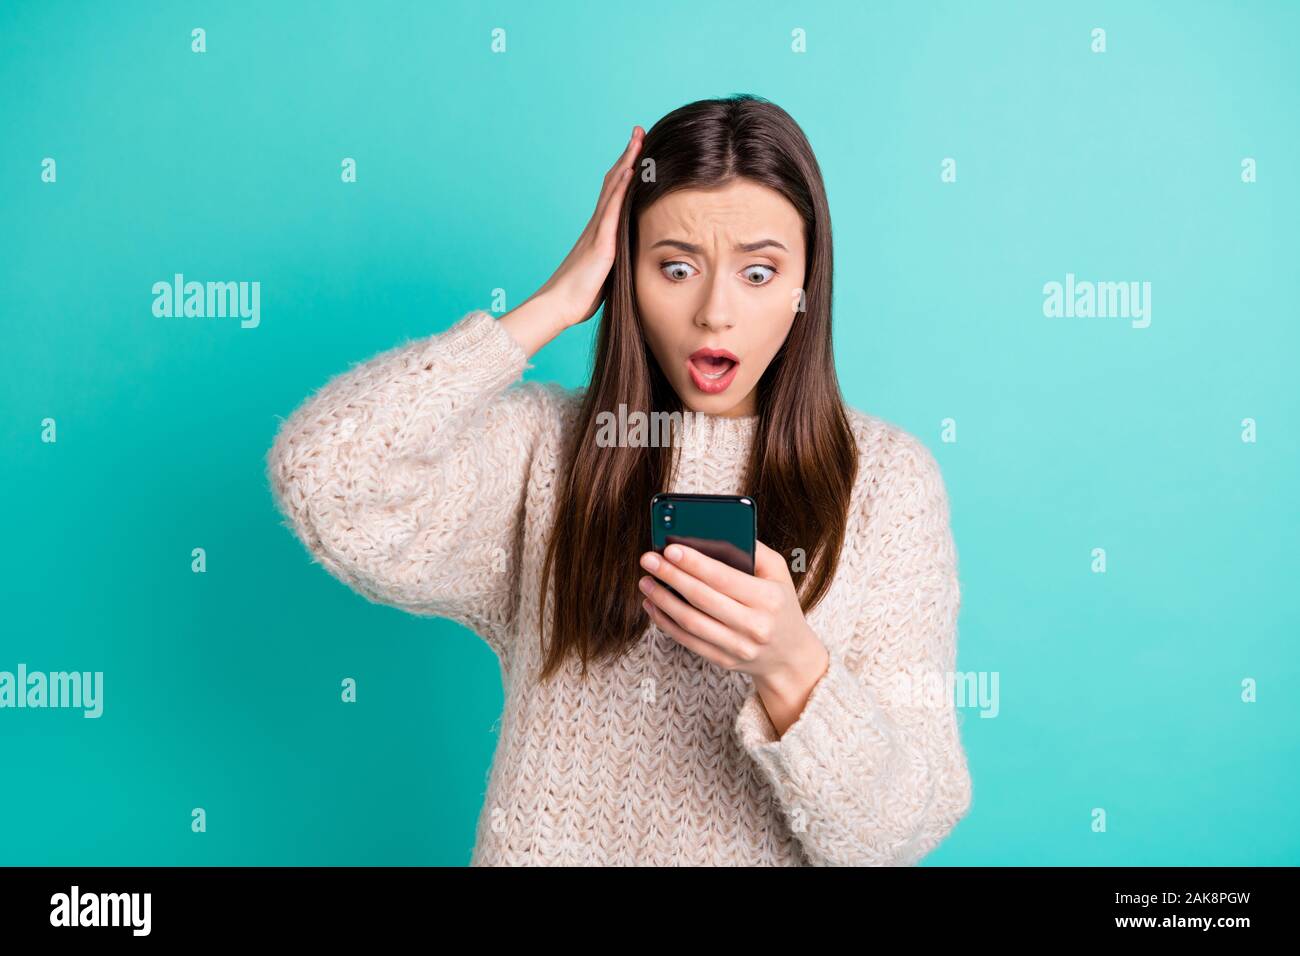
(721, 435)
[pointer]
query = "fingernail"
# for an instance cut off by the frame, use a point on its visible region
(650, 562)
(673, 553)
(645, 585)
(645, 606)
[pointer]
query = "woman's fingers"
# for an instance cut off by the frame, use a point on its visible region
(696, 622)
(577, 286)
(601, 231)
(747, 589)
(617, 178)
(608, 224)
(689, 641)
(625, 157)
(711, 601)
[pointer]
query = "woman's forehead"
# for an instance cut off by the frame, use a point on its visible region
(740, 212)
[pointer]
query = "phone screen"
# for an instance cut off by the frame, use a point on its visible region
(722, 526)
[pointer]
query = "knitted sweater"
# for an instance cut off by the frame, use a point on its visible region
(424, 478)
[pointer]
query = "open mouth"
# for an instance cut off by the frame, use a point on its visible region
(712, 370)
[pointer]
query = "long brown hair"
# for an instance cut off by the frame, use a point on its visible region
(803, 459)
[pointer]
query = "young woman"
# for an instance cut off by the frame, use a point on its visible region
(772, 718)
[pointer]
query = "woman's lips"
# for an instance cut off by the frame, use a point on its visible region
(711, 375)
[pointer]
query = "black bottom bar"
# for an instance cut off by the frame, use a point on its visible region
(241, 904)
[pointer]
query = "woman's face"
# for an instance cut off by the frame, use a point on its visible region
(718, 269)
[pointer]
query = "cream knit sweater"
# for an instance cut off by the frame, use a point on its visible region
(424, 477)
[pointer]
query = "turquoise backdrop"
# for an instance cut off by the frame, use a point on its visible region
(1120, 691)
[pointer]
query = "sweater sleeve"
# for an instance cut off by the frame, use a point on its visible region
(405, 475)
(873, 771)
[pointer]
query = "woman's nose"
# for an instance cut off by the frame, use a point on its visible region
(716, 311)
(714, 322)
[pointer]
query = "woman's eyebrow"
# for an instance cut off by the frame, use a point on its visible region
(740, 247)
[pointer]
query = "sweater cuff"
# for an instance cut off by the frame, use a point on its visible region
(480, 349)
(835, 707)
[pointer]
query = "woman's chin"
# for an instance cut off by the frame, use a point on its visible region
(720, 407)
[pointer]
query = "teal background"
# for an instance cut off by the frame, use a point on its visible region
(477, 171)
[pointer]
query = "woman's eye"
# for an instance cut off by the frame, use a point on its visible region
(675, 270)
(754, 275)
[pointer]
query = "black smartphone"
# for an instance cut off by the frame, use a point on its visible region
(724, 527)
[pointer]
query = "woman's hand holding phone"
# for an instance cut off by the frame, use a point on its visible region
(751, 623)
